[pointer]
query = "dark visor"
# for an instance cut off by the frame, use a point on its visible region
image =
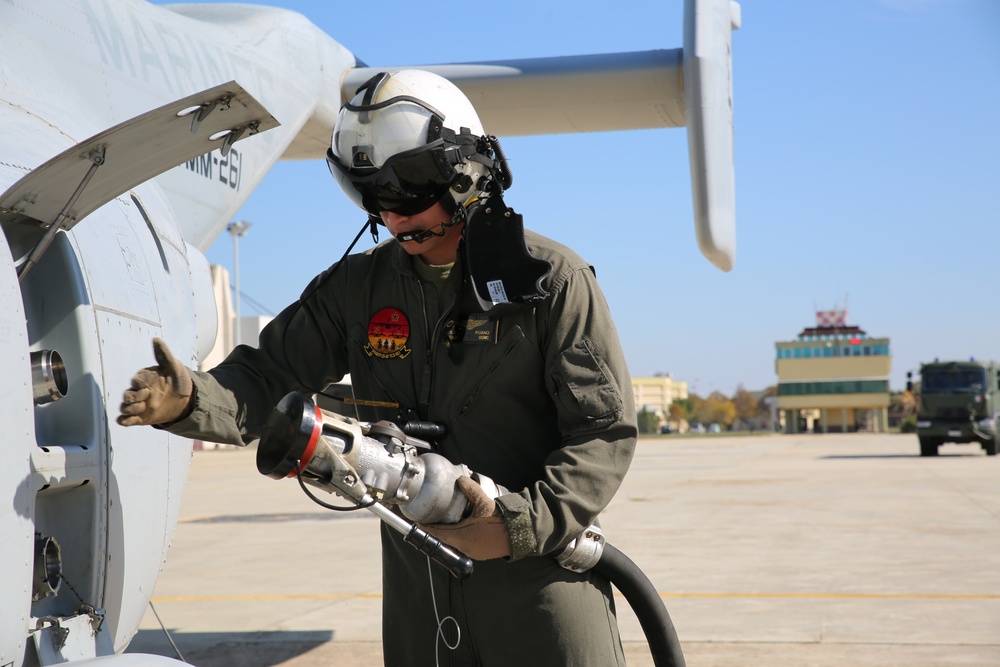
(408, 182)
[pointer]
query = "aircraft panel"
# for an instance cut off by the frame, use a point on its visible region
(69, 450)
(76, 182)
(117, 268)
(16, 521)
(144, 496)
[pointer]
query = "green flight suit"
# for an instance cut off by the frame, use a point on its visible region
(537, 397)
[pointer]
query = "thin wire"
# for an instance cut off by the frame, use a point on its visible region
(370, 225)
(253, 302)
(441, 621)
(169, 638)
(359, 506)
(62, 577)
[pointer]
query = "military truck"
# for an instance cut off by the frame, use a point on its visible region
(959, 402)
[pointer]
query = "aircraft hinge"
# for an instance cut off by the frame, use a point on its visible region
(21, 206)
(207, 108)
(234, 134)
(201, 115)
(95, 155)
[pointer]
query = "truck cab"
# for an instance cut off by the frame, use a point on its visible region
(960, 403)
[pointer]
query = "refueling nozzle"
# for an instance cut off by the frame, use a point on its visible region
(383, 461)
(374, 465)
(377, 465)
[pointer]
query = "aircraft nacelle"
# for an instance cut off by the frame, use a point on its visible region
(86, 273)
(96, 291)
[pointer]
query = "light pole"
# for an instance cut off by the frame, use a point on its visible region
(237, 229)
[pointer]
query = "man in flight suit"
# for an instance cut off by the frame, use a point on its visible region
(519, 360)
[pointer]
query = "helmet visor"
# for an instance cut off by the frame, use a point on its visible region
(408, 182)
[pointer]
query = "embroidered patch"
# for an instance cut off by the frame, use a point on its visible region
(473, 328)
(388, 331)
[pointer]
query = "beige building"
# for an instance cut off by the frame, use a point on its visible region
(250, 328)
(655, 394)
(833, 378)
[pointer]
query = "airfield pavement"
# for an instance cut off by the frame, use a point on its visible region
(769, 551)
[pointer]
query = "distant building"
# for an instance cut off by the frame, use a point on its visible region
(225, 318)
(655, 394)
(833, 378)
(249, 328)
(225, 339)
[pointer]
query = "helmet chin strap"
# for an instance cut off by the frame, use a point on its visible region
(424, 234)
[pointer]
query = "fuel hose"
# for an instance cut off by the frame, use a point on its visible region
(642, 597)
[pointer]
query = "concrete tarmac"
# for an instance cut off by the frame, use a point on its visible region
(769, 551)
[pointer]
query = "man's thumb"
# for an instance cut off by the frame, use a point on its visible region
(169, 367)
(162, 354)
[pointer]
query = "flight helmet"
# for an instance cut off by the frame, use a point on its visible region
(409, 139)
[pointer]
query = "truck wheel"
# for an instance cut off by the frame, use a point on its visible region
(990, 447)
(928, 447)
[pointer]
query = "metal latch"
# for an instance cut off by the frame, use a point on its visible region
(59, 633)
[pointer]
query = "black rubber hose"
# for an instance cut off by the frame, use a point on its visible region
(641, 595)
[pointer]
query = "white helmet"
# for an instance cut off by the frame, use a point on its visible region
(407, 139)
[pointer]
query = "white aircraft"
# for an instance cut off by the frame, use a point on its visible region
(130, 137)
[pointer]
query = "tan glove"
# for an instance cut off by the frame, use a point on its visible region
(483, 534)
(159, 394)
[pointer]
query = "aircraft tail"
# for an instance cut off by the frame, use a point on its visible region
(708, 101)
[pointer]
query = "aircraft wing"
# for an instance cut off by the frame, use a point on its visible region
(618, 91)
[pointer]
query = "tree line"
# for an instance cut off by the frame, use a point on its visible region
(744, 410)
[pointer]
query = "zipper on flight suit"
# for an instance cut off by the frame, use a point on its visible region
(430, 351)
(426, 390)
(371, 370)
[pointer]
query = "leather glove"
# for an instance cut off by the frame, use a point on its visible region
(483, 534)
(159, 394)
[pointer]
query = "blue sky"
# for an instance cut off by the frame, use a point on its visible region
(867, 175)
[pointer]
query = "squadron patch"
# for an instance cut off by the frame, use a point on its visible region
(388, 331)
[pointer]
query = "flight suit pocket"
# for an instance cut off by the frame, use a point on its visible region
(493, 362)
(587, 393)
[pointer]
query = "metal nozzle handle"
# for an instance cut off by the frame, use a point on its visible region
(452, 559)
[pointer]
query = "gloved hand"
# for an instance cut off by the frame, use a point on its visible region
(483, 534)
(159, 394)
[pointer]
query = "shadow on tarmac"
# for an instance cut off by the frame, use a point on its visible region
(898, 456)
(247, 649)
